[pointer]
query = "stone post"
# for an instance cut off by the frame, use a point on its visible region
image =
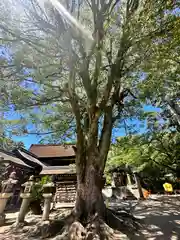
(48, 190)
(26, 196)
(47, 206)
(128, 170)
(129, 182)
(3, 201)
(6, 193)
(26, 199)
(141, 196)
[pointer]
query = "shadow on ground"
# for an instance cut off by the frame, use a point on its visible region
(161, 218)
(158, 218)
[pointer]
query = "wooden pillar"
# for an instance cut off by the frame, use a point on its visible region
(129, 182)
(141, 196)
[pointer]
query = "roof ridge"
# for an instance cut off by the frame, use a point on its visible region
(28, 152)
(52, 150)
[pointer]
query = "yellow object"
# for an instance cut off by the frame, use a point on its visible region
(168, 187)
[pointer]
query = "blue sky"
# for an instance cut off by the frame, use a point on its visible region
(27, 140)
(33, 139)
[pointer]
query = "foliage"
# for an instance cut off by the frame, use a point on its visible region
(9, 144)
(161, 79)
(152, 155)
(37, 191)
(6, 141)
(45, 179)
(39, 67)
(64, 79)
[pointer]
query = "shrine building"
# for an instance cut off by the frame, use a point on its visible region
(44, 160)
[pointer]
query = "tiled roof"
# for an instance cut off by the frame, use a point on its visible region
(9, 157)
(52, 150)
(31, 158)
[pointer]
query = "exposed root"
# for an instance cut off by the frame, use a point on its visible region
(77, 231)
(63, 235)
(94, 232)
(112, 228)
(91, 231)
(122, 221)
(98, 229)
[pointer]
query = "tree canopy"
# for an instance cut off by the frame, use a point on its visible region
(153, 155)
(9, 144)
(45, 51)
(139, 151)
(74, 70)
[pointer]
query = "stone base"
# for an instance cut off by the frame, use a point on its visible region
(2, 219)
(45, 229)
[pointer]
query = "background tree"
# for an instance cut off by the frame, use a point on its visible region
(65, 79)
(8, 144)
(163, 67)
(153, 155)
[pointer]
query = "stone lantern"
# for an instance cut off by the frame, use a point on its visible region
(6, 193)
(48, 192)
(26, 196)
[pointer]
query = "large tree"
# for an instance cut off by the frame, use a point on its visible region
(6, 140)
(66, 79)
(163, 67)
(146, 152)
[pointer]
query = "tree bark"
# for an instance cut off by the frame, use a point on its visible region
(89, 199)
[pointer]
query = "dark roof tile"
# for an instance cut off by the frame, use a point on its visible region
(52, 150)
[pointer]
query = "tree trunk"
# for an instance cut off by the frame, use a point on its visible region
(89, 199)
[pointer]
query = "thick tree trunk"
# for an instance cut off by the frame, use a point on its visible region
(89, 199)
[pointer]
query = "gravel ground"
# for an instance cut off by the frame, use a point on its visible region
(159, 215)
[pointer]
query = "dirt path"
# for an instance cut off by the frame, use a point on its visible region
(160, 217)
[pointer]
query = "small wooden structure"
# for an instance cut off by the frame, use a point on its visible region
(51, 160)
(65, 181)
(126, 183)
(58, 159)
(23, 171)
(121, 176)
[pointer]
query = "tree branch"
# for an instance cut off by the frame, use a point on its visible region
(74, 100)
(105, 138)
(40, 102)
(84, 74)
(29, 41)
(162, 164)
